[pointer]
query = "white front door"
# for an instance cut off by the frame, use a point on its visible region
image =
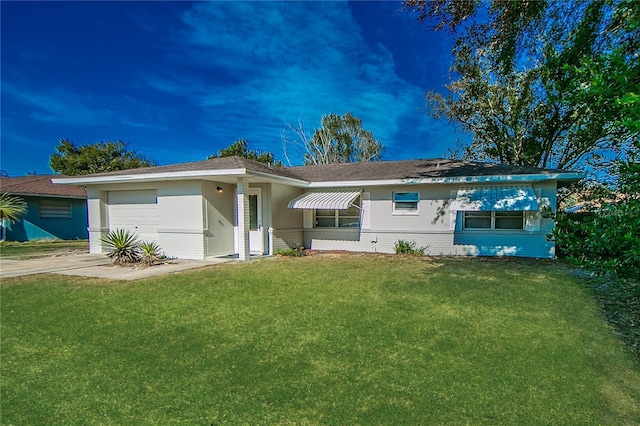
(256, 234)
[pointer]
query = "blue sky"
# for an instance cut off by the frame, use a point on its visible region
(181, 80)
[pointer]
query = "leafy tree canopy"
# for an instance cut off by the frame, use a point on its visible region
(71, 159)
(340, 139)
(542, 83)
(240, 148)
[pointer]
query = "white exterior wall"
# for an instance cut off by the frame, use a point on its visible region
(195, 220)
(431, 227)
(220, 218)
(286, 223)
(181, 219)
(180, 231)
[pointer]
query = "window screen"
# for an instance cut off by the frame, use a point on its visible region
(55, 209)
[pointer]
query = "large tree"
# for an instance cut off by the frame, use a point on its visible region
(240, 148)
(522, 78)
(71, 159)
(340, 139)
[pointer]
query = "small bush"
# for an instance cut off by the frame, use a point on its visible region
(122, 247)
(408, 247)
(293, 252)
(150, 251)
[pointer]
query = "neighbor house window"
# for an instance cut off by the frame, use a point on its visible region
(405, 202)
(349, 218)
(493, 220)
(54, 209)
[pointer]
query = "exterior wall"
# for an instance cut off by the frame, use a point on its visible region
(196, 220)
(220, 218)
(180, 231)
(286, 223)
(283, 239)
(181, 219)
(531, 242)
(434, 226)
(32, 227)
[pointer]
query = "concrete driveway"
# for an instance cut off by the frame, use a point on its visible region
(95, 265)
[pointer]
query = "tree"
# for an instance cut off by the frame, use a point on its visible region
(11, 208)
(71, 159)
(340, 139)
(521, 79)
(240, 148)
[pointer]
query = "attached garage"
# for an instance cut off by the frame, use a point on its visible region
(135, 211)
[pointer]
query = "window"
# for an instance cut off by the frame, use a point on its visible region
(405, 202)
(349, 218)
(493, 220)
(54, 209)
(477, 220)
(509, 220)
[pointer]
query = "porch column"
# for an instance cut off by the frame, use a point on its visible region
(242, 206)
(97, 215)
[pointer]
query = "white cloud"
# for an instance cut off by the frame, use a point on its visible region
(281, 59)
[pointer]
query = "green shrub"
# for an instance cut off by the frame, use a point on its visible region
(293, 252)
(150, 251)
(605, 240)
(408, 247)
(122, 247)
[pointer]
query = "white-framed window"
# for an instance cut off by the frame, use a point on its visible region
(406, 202)
(349, 218)
(54, 209)
(493, 220)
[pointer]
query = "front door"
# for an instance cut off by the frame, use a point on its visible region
(256, 235)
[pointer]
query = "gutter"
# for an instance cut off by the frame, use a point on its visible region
(195, 174)
(567, 177)
(145, 177)
(21, 194)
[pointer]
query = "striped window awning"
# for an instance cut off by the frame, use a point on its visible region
(325, 200)
(496, 198)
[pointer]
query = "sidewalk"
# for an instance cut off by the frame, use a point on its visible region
(96, 265)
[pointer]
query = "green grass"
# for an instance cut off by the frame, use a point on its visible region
(42, 248)
(316, 340)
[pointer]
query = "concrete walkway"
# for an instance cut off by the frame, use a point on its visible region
(96, 265)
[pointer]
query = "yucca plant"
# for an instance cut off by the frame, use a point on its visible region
(11, 208)
(150, 251)
(122, 246)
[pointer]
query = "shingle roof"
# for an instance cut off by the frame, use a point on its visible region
(409, 169)
(221, 163)
(40, 185)
(344, 172)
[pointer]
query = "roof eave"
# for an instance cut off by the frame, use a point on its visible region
(148, 177)
(564, 177)
(31, 194)
(281, 179)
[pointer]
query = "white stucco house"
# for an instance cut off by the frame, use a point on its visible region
(232, 205)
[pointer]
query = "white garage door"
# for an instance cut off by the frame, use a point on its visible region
(135, 211)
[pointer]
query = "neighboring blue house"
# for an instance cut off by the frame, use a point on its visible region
(54, 211)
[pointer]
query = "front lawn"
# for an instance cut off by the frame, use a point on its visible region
(316, 340)
(27, 249)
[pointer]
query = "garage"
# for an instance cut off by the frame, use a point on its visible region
(136, 212)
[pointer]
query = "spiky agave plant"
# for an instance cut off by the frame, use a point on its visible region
(122, 246)
(11, 208)
(150, 252)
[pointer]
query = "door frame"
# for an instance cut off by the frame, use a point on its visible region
(257, 236)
